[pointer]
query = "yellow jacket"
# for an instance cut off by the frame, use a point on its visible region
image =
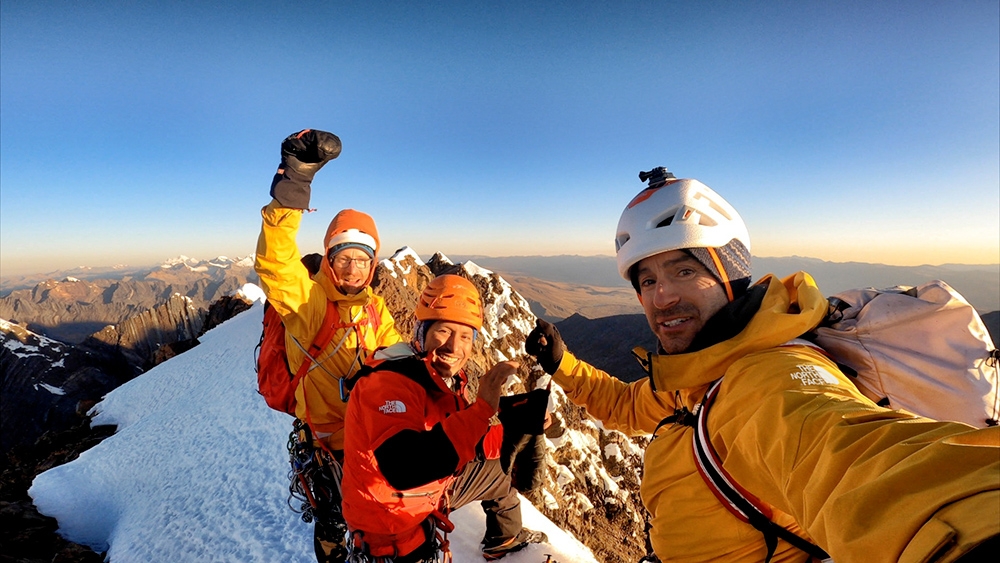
(301, 302)
(866, 484)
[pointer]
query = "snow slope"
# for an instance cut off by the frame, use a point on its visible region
(197, 470)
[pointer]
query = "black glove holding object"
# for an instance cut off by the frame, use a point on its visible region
(302, 155)
(545, 344)
(522, 450)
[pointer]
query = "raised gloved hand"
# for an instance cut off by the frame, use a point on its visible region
(546, 345)
(308, 150)
(302, 155)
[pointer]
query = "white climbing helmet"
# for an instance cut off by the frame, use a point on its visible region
(673, 214)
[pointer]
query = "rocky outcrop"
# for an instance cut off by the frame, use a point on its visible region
(222, 310)
(46, 384)
(139, 337)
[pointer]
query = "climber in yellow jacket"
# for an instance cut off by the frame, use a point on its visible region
(864, 483)
(350, 249)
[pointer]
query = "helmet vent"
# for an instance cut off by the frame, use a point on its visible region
(721, 211)
(703, 199)
(665, 222)
(620, 241)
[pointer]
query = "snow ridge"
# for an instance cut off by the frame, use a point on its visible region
(197, 470)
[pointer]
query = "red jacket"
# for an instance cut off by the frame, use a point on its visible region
(407, 436)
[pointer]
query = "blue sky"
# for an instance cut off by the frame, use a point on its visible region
(130, 132)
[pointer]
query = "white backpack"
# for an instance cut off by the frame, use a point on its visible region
(922, 349)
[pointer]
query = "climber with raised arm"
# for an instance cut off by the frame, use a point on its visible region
(301, 291)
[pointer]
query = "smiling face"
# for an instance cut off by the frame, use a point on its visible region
(351, 267)
(449, 346)
(678, 295)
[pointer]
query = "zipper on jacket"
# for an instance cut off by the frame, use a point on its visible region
(412, 495)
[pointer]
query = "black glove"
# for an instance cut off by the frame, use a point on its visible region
(302, 155)
(522, 417)
(545, 344)
(528, 471)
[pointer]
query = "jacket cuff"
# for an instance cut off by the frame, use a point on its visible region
(483, 410)
(563, 375)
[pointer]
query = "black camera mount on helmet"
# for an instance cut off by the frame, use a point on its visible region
(657, 176)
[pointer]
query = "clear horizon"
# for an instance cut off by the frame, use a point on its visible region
(847, 131)
(154, 263)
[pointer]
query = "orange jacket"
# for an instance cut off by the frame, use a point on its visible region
(301, 302)
(408, 436)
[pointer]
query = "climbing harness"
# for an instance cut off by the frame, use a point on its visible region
(437, 526)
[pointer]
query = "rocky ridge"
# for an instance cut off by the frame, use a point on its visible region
(48, 385)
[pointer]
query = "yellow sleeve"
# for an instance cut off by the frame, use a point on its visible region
(387, 335)
(867, 483)
(300, 301)
(633, 408)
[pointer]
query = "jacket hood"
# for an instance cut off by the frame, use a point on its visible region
(791, 307)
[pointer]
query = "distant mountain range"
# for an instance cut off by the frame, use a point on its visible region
(979, 284)
(555, 301)
(70, 306)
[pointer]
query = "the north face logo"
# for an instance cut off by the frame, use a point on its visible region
(814, 375)
(392, 407)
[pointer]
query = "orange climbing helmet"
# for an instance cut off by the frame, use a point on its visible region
(451, 298)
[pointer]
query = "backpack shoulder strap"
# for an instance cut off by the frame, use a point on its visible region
(374, 319)
(740, 502)
(412, 368)
(323, 337)
(408, 364)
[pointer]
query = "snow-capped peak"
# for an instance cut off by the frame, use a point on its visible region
(404, 253)
(176, 261)
(441, 258)
(26, 343)
(475, 269)
(196, 265)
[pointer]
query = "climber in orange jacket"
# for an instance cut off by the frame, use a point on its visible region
(345, 270)
(415, 447)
